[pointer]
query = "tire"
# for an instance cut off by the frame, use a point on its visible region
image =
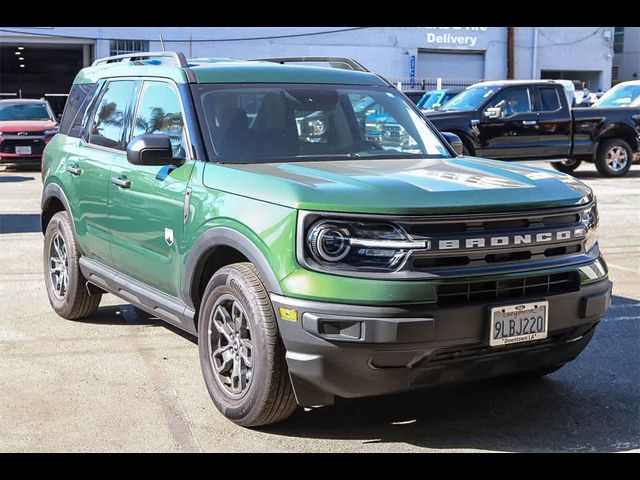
(613, 158)
(66, 286)
(253, 393)
(566, 166)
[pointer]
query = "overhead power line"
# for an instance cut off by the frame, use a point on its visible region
(186, 40)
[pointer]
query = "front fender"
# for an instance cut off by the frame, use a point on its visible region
(226, 236)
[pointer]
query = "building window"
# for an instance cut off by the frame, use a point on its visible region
(120, 47)
(618, 40)
(615, 73)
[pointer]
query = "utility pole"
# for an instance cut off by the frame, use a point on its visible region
(510, 53)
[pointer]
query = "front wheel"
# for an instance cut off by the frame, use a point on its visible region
(241, 355)
(613, 158)
(566, 166)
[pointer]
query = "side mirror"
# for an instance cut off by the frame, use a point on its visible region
(492, 112)
(151, 150)
(436, 106)
(454, 141)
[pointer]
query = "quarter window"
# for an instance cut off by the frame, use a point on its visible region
(76, 107)
(110, 116)
(160, 113)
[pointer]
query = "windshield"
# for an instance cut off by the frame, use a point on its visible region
(469, 99)
(276, 123)
(429, 100)
(619, 96)
(24, 111)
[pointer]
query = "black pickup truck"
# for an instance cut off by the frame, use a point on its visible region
(532, 120)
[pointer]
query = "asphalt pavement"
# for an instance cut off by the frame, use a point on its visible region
(121, 382)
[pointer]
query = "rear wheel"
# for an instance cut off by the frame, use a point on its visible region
(66, 286)
(566, 166)
(613, 158)
(241, 354)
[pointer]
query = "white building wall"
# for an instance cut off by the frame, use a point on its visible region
(385, 50)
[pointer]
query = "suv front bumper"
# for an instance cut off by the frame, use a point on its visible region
(356, 351)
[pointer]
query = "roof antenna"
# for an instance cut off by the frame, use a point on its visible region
(162, 43)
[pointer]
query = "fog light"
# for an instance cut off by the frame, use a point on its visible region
(288, 314)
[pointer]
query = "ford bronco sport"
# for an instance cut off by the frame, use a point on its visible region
(318, 266)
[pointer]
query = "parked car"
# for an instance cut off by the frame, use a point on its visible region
(311, 270)
(26, 126)
(434, 99)
(414, 95)
(531, 120)
(624, 94)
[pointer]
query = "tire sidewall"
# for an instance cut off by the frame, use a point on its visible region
(566, 167)
(59, 223)
(229, 281)
(601, 161)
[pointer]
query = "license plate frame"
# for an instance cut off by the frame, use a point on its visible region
(23, 150)
(522, 319)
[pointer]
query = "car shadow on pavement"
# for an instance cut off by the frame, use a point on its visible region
(127, 314)
(20, 223)
(15, 179)
(591, 404)
(633, 173)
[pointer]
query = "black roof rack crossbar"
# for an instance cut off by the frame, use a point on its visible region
(178, 57)
(335, 62)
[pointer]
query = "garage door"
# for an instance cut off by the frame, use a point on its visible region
(451, 65)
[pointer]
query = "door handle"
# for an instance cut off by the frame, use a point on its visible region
(529, 122)
(121, 182)
(74, 170)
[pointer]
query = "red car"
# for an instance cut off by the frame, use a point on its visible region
(26, 126)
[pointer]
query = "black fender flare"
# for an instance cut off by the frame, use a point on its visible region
(51, 191)
(225, 236)
(618, 130)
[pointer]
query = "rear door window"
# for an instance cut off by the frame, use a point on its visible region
(548, 99)
(110, 116)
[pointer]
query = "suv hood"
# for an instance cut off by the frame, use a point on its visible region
(422, 186)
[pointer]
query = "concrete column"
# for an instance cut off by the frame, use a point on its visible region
(86, 55)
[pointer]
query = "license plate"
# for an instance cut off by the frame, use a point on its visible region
(23, 150)
(518, 323)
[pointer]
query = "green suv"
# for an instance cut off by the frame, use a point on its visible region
(317, 266)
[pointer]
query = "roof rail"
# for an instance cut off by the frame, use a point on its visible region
(335, 62)
(178, 57)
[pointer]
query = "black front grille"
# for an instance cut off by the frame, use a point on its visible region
(467, 241)
(9, 145)
(451, 294)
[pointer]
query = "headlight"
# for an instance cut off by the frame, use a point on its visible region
(52, 132)
(591, 220)
(361, 246)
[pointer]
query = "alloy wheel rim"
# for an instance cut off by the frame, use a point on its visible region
(58, 266)
(617, 158)
(231, 346)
